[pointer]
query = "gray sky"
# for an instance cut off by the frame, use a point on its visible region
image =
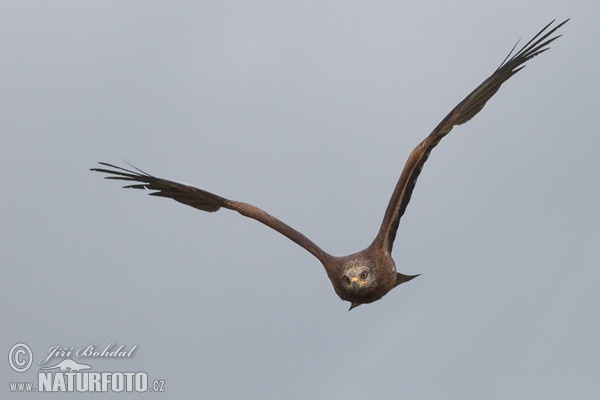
(307, 110)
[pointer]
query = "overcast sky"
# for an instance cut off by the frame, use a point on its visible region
(307, 110)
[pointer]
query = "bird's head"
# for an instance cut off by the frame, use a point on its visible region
(358, 277)
(359, 282)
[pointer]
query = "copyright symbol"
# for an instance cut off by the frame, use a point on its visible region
(20, 357)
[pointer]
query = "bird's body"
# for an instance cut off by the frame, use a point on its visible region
(368, 275)
(364, 277)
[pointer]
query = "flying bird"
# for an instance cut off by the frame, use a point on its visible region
(365, 276)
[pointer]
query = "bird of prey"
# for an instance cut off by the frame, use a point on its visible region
(365, 276)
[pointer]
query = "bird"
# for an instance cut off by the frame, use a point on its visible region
(367, 275)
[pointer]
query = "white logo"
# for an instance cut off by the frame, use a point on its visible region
(69, 375)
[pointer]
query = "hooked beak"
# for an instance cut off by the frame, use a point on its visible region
(354, 283)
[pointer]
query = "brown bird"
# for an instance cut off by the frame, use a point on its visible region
(365, 276)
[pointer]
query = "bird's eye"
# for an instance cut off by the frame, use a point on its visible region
(347, 279)
(364, 275)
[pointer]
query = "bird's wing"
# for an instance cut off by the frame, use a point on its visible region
(462, 113)
(206, 201)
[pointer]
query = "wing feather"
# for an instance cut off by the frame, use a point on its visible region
(462, 113)
(206, 201)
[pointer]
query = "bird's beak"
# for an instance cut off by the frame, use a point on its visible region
(354, 283)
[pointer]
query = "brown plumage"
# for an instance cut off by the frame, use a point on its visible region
(368, 275)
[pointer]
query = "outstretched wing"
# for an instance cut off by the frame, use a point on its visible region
(206, 201)
(462, 113)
